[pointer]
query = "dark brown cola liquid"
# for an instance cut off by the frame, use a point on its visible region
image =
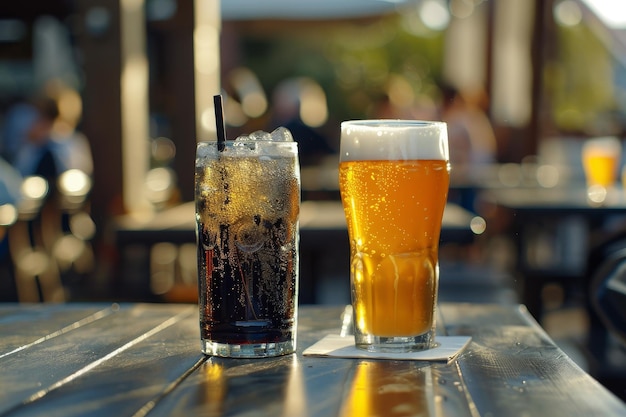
(247, 293)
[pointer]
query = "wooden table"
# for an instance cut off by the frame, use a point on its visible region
(144, 359)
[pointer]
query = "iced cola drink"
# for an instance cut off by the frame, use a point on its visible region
(394, 177)
(247, 206)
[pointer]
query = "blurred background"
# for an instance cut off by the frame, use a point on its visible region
(102, 102)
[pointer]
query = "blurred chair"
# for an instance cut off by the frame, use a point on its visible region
(608, 291)
(606, 340)
(49, 242)
(608, 294)
(75, 228)
(8, 217)
(36, 276)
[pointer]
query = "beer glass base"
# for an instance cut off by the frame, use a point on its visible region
(396, 344)
(251, 350)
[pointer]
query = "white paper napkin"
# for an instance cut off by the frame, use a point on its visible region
(448, 347)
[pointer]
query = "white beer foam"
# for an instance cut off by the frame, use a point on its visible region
(379, 140)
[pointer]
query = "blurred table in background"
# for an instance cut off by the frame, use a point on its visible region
(554, 230)
(562, 240)
(145, 243)
(178, 224)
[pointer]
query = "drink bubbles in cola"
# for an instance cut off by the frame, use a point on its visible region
(247, 206)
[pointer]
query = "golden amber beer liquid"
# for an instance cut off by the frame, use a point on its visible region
(394, 210)
(601, 158)
(601, 168)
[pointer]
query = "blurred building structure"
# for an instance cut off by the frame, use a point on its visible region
(147, 68)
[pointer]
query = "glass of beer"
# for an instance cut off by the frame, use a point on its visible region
(601, 160)
(247, 196)
(394, 177)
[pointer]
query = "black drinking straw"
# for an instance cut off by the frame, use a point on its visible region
(219, 122)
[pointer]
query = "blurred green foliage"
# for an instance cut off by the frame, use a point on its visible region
(353, 61)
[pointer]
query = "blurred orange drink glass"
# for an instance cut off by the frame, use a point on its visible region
(601, 159)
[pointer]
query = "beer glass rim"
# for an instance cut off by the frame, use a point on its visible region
(393, 123)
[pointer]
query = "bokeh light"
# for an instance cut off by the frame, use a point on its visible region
(567, 13)
(434, 14)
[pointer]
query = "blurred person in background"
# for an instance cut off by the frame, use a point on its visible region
(472, 144)
(51, 147)
(73, 145)
(471, 137)
(34, 154)
(18, 119)
(313, 146)
(52, 143)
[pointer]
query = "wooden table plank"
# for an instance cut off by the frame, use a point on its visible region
(131, 364)
(525, 370)
(285, 386)
(34, 324)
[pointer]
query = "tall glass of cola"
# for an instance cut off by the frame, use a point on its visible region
(247, 196)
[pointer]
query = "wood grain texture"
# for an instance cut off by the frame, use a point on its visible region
(145, 360)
